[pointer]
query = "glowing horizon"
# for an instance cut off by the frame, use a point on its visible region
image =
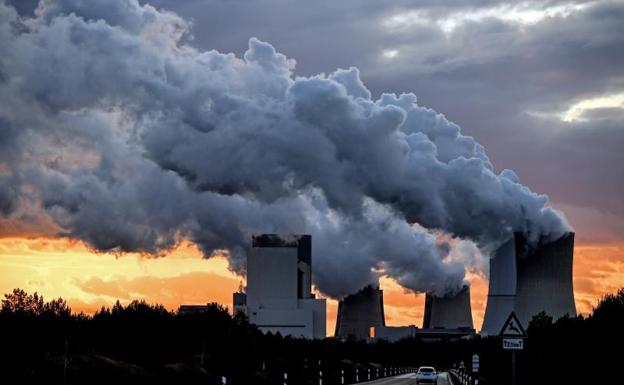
(88, 280)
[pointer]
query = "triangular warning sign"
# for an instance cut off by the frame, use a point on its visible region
(512, 327)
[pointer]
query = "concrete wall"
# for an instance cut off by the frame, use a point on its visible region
(294, 322)
(319, 315)
(272, 277)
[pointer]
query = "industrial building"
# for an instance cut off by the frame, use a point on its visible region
(279, 296)
(239, 301)
(530, 280)
(360, 313)
(394, 333)
(194, 309)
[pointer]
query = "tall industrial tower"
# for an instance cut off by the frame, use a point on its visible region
(279, 287)
(529, 281)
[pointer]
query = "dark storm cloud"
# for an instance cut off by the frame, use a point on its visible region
(131, 139)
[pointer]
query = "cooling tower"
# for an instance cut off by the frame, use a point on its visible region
(502, 288)
(530, 281)
(358, 313)
(449, 312)
(544, 280)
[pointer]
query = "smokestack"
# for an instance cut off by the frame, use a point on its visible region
(452, 311)
(359, 312)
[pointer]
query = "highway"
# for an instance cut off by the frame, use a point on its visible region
(407, 379)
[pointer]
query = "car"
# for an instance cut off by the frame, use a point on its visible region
(426, 375)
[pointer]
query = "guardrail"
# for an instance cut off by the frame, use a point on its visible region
(344, 376)
(463, 377)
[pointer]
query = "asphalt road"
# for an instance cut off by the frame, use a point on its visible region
(407, 379)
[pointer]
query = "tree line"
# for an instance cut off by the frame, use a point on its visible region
(141, 343)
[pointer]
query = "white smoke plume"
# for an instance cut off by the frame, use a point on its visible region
(131, 139)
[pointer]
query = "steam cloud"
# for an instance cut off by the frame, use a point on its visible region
(131, 139)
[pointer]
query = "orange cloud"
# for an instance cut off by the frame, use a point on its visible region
(89, 280)
(188, 288)
(598, 270)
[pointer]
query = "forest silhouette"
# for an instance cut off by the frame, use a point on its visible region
(141, 343)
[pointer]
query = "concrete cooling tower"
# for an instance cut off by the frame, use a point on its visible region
(359, 313)
(502, 288)
(449, 312)
(529, 281)
(544, 280)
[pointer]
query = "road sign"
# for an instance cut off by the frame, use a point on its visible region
(475, 363)
(513, 334)
(513, 343)
(512, 328)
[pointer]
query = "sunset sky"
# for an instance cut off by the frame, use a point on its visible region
(540, 84)
(88, 280)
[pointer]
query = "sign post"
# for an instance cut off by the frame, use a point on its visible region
(513, 336)
(475, 368)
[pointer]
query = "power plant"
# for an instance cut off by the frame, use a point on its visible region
(279, 287)
(529, 281)
(360, 313)
(523, 279)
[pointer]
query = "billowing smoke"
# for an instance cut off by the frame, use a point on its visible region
(131, 139)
